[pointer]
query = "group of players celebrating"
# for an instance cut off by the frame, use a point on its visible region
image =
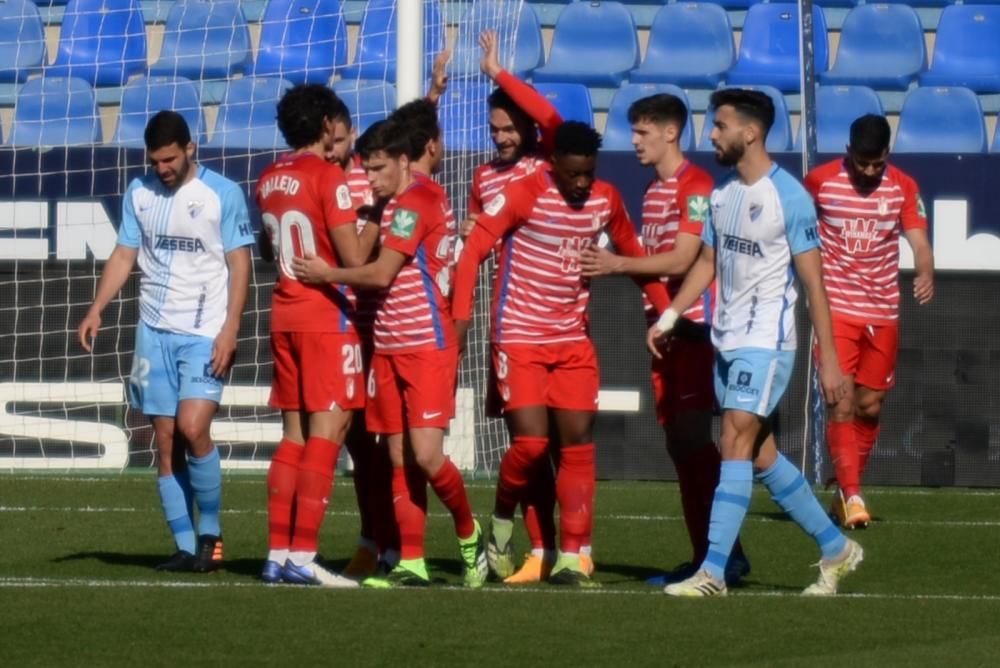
(374, 298)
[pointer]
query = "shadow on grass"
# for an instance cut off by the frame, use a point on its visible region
(116, 558)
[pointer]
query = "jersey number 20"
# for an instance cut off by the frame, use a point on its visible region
(292, 236)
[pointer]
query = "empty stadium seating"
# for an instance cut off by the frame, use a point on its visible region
(376, 49)
(55, 111)
(22, 40)
(571, 100)
(301, 41)
(780, 136)
(520, 39)
(204, 39)
(367, 100)
(594, 43)
(618, 131)
(881, 46)
(144, 96)
(941, 120)
(836, 109)
(967, 49)
(690, 44)
(102, 42)
(247, 115)
(465, 100)
(769, 47)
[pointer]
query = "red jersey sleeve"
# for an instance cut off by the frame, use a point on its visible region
(535, 105)
(626, 242)
(476, 192)
(913, 215)
(417, 213)
(819, 175)
(693, 193)
(335, 196)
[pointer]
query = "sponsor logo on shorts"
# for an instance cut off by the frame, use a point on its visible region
(349, 389)
(431, 415)
(206, 377)
(742, 386)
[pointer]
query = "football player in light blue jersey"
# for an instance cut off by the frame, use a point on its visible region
(189, 230)
(760, 236)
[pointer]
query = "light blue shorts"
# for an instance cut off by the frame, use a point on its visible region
(168, 368)
(752, 379)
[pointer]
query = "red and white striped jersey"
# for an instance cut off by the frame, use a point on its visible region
(357, 181)
(860, 239)
(365, 301)
(413, 313)
(492, 177)
(540, 295)
(669, 207)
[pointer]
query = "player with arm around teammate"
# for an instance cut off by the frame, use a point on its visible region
(760, 235)
(864, 204)
(188, 228)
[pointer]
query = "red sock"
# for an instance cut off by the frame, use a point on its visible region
(516, 469)
(865, 435)
(313, 488)
(538, 507)
(844, 452)
(409, 497)
(450, 489)
(359, 444)
(697, 477)
(380, 501)
(281, 477)
(575, 491)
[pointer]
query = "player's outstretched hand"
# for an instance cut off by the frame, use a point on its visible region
(223, 352)
(490, 62)
(923, 288)
(311, 269)
(468, 225)
(439, 76)
(597, 261)
(87, 331)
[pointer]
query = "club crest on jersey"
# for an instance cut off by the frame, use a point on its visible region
(698, 208)
(349, 388)
(755, 210)
(195, 207)
(595, 221)
(344, 197)
(883, 206)
(494, 206)
(404, 222)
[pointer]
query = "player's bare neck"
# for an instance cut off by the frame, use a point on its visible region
(316, 149)
(672, 160)
(753, 166)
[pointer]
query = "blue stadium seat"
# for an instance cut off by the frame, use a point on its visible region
(966, 49)
(690, 44)
(247, 115)
(464, 114)
(22, 40)
(778, 139)
(144, 96)
(369, 101)
(881, 46)
(571, 100)
(921, 3)
(375, 56)
(55, 111)
(941, 120)
(301, 41)
(732, 4)
(769, 47)
(520, 38)
(204, 39)
(618, 131)
(594, 43)
(836, 108)
(101, 41)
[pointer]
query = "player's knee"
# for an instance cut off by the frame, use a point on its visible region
(428, 460)
(869, 409)
(195, 433)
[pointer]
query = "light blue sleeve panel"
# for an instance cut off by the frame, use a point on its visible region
(800, 213)
(235, 227)
(708, 228)
(129, 233)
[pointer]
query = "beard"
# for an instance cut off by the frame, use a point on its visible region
(730, 156)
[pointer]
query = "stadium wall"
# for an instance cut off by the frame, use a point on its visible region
(59, 210)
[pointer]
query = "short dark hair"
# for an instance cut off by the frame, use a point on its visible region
(576, 138)
(368, 142)
(302, 110)
(660, 109)
(500, 99)
(751, 104)
(165, 128)
(419, 114)
(870, 135)
(389, 137)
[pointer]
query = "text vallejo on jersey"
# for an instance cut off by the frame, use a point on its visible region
(741, 245)
(177, 243)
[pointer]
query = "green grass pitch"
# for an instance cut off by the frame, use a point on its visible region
(77, 589)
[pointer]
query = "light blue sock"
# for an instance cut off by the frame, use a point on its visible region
(175, 509)
(206, 482)
(791, 491)
(185, 482)
(729, 507)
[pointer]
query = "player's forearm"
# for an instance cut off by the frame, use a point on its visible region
(116, 272)
(530, 101)
(698, 279)
(819, 306)
(655, 266)
(239, 285)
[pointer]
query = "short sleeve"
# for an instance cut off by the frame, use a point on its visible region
(412, 220)
(913, 215)
(693, 202)
(800, 223)
(235, 227)
(129, 232)
(708, 228)
(338, 206)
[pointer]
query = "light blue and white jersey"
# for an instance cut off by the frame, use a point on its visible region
(183, 237)
(755, 231)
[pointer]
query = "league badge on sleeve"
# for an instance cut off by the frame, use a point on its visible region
(344, 198)
(921, 209)
(404, 222)
(494, 206)
(697, 208)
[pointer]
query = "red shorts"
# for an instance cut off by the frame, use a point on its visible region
(683, 380)
(408, 390)
(867, 352)
(556, 375)
(317, 371)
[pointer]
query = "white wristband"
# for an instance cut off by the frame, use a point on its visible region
(667, 320)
